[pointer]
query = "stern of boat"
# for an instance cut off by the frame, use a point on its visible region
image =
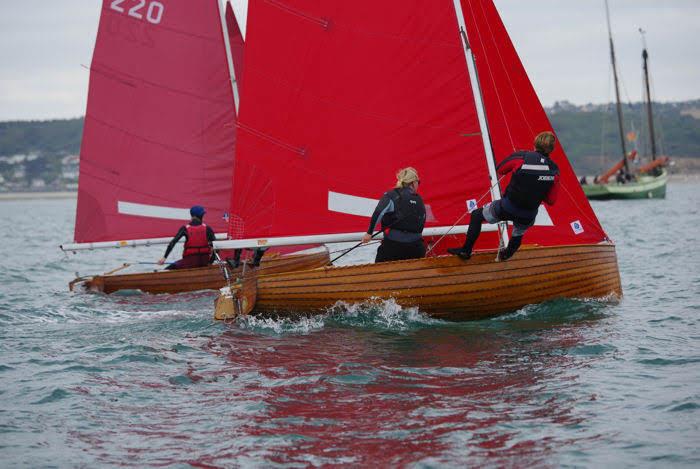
(236, 300)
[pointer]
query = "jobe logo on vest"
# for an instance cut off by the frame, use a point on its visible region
(546, 178)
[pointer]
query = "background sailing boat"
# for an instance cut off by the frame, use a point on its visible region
(620, 182)
(356, 91)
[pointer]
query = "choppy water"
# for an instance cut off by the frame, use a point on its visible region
(141, 380)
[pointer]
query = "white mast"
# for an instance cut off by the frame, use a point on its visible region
(229, 58)
(481, 113)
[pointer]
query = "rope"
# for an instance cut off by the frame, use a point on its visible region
(463, 215)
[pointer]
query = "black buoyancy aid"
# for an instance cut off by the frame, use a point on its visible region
(531, 182)
(197, 242)
(408, 214)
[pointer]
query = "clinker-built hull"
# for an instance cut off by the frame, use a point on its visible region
(203, 278)
(446, 287)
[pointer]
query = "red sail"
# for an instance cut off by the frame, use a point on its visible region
(160, 123)
(235, 39)
(515, 117)
(339, 95)
(336, 97)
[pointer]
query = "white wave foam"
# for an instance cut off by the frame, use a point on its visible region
(298, 325)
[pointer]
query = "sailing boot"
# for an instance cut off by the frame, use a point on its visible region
(464, 252)
(506, 253)
(259, 253)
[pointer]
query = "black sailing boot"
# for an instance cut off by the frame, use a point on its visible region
(462, 252)
(258, 257)
(506, 253)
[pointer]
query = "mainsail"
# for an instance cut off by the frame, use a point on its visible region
(160, 123)
(339, 95)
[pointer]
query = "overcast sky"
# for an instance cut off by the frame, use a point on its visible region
(44, 46)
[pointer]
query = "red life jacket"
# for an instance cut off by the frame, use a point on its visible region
(197, 242)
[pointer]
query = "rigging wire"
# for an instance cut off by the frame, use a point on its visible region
(463, 215)
(491, 75)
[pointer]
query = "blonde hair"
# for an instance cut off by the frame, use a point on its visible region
(406, 177)
(544, 142)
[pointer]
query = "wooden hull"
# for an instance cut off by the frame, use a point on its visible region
(645, 187)
(448, 287)
(203, 278)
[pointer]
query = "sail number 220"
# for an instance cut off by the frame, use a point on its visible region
(154, 13)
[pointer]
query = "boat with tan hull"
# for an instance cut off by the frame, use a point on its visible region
(202, 278)
(334, 114)
(445, 287)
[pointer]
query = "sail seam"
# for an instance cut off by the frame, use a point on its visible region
(114, 74)
(323, 22)
(299, 150)
(154, 142)
(161, 26)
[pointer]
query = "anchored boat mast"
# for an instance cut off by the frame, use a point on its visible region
(645, 57)
(617, 92)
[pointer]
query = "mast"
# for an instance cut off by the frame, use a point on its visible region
(645, 58)
(481, 113)
(229, 58)
(617, 91)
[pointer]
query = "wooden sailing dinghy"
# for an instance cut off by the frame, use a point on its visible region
(203, 278)
(371, 87)
(159, 135)
(445, 286)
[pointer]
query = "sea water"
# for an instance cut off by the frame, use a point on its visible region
(152, 380)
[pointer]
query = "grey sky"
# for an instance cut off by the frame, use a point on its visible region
(563, 44)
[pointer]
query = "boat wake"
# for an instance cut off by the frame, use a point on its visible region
(562, 309)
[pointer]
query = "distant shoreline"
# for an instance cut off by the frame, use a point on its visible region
(690, 177)
(37, 195)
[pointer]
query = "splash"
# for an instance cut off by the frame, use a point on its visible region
(282, 325)
(385, 314)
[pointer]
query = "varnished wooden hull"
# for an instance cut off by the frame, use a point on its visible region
(203, 278)
(447, 286)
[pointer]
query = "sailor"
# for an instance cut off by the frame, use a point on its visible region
(402, 215)
(199, 237)
(535, 179)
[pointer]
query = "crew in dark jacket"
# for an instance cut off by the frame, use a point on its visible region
(199, 237)
(402, 215)
(535, 179)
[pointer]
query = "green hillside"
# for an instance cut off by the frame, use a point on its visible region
(52, 137)
(586, 132)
